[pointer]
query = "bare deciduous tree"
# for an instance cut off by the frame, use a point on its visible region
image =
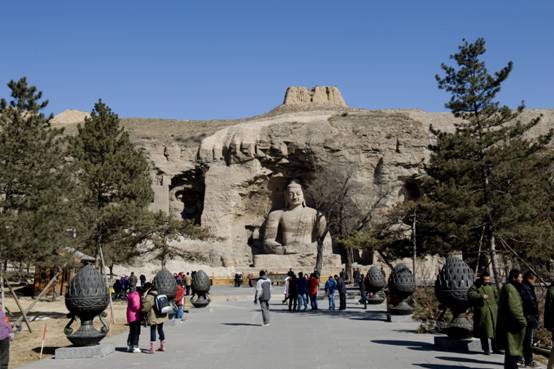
(333, 193)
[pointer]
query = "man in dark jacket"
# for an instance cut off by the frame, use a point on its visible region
(363, 293)
(341, 287)
(549, 320)
(531, 312)
(302, 287)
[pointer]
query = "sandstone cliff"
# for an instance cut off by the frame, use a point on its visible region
(227, 175)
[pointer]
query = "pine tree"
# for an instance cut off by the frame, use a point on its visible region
(488, 181)
(34, 180)
(114, 184)
(162, 232)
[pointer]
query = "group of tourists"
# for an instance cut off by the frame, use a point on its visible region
(185, 281)
(302, 288)
(299, 289)
(146, 307)
(508, 320)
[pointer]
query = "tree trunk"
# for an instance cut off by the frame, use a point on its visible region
(2, 286)
(493, 264)
(349, 262)
(414, 258)
(319, 257)
(106, 282)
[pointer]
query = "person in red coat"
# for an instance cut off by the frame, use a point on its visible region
(180, 314)
(134, 319)
(313, 284)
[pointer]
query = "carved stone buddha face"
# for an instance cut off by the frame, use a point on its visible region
(294, 196)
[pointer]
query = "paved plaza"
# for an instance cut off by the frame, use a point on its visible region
(228, 335)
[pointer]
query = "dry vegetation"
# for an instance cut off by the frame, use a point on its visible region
(26, 346)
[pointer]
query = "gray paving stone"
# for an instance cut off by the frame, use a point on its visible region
(228, 335)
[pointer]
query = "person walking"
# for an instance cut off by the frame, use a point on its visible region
(293, 292)
(549, 321)
(179, 299)
(330, 288)
(133, 280)
(142, 280)
(6, 335)
(286, 289)
(313, 286)
(363, 293)
(133, 317)
(357, 277)
(302, 289)
(341, 287)
(124, 283)
(511, 323)
(188, 283)
(484, 299)
(154, 319)
(531, 312)
(263, 295)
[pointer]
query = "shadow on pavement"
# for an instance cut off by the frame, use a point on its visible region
(405, 330)
(41, 315)
(121, 349)
(467, 360)
(343, 314)
(242, 324)
(48, 350)
(412, 345)
(440, 366)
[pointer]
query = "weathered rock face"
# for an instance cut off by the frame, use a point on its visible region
(319, 96)
(70, 116)
(228, 175)
(247, 166)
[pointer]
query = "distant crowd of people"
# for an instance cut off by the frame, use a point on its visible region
(301, 289)
(121, 285)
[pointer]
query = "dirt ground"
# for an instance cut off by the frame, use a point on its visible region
(52, 314)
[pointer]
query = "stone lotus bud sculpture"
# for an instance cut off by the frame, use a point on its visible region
(165, 283)
(451, 286)
(375, 284)
(401, 287)
(200, 288)
(86, 298)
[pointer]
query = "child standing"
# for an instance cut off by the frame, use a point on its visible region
(133, 318)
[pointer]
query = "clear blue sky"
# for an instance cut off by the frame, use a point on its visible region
(235, 58)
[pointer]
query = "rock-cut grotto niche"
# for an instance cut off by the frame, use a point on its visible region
(187, 195)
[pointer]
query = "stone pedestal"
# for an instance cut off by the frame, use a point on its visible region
(445, 343)
(84, 352)
(298, 263)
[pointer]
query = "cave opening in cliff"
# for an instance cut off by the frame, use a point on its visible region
(188, 190)
(411, 190)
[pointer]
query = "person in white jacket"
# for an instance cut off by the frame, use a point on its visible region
(263, 295)
(286, 290)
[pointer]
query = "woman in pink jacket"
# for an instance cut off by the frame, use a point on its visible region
(133, 318)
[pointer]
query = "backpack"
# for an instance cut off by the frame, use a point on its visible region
(161, 304)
